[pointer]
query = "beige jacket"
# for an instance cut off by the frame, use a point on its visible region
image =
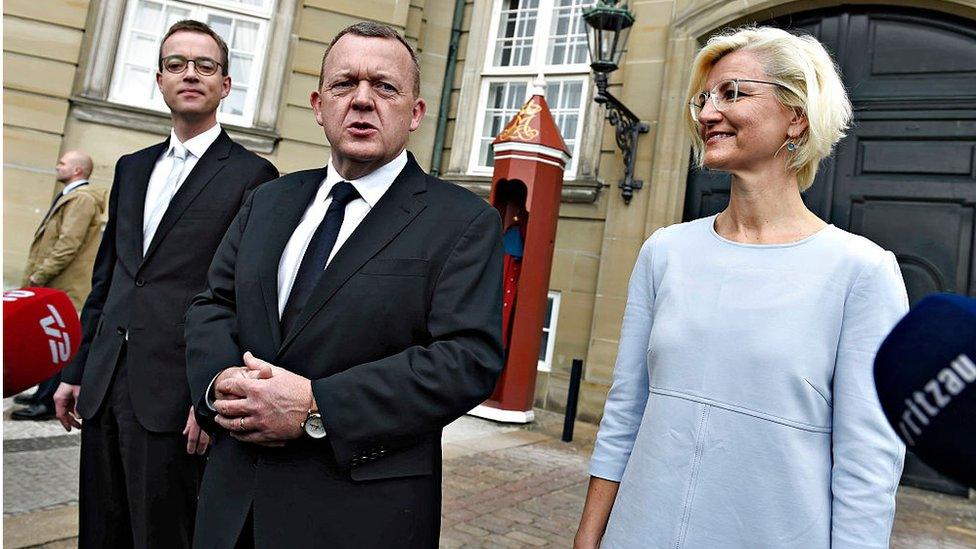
(64, 247)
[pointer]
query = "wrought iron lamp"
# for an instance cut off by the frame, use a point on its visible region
(608, 26)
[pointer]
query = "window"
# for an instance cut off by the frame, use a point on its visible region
(243, 24)
(548, 342)
(528, 38)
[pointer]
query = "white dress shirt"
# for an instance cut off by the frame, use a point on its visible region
(72, 186)
(371, 188)
(157, 193)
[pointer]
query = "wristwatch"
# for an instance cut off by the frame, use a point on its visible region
(313, 426)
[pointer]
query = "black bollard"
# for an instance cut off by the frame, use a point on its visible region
(575, 375)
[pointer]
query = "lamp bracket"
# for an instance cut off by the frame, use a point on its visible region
(628, 128)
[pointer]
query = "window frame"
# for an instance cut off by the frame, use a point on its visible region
(583, 186)
(545, 365)
(199, 11)
(474, 160)
(90, 103)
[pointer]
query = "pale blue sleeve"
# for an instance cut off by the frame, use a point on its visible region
(628, 394)
(867, 455)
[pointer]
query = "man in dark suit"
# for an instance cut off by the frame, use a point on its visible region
(350, 313)
(170, 204)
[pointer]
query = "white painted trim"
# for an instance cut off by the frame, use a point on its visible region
(545, 365)
(502, 416)
(531, 159)
(532, 148)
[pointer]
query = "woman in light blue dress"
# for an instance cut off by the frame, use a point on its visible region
(743, 412)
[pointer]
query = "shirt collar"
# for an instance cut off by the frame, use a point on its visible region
(72, 186)
(372, 186)
(196, 145)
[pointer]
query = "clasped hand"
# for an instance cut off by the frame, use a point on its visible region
(262, 403)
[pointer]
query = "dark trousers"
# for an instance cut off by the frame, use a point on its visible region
(138, 488)
(45, 391)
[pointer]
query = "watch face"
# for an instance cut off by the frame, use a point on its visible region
(314, 427)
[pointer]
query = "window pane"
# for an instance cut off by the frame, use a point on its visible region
(567, 39)
(245, 36)
(148, 16)
(504, 101)
(543, 345)
(548, 317)
(137, 83)
(234, 102)
(240, 68)
(516, 30)
(221, 25)
(142, 51)
(565, 99)
(173, 14)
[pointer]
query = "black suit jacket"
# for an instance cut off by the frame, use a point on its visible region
(401, 335)
(146, 297)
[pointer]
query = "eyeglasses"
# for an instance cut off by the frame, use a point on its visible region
(177, 64)
(726, 93)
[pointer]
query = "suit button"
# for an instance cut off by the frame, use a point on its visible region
(140, 282)
(120, 330)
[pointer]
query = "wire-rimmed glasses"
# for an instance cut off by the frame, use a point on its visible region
(177, 64)
(725, 94)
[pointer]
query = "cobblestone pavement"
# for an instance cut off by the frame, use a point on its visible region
(40, 465)
(504, 486)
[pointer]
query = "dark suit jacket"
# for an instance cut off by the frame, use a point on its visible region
(401, 335)
(146, 297)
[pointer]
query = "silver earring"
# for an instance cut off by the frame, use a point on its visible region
(791, 146)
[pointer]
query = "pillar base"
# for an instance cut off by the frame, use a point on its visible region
(502, 416)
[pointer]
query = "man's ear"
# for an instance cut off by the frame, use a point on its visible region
(315, 99)
(419, 110)
(225, 87)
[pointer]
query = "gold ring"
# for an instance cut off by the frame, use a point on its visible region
(242, 425)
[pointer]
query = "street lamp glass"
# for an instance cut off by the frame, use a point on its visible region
(607, 29)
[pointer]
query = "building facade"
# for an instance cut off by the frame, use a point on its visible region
(79, 74)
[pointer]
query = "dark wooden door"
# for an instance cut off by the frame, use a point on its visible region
(905, 176)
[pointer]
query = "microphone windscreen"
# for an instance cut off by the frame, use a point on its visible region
(925, 374)
(41, 333)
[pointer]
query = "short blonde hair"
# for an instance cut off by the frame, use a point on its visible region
(812, 84)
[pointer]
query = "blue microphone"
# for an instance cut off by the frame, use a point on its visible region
(925, 374)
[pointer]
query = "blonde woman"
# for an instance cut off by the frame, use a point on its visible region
(743, 412)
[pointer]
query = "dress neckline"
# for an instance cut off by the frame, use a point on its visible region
(802, 241)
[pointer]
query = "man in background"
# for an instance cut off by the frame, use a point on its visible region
(61, 257)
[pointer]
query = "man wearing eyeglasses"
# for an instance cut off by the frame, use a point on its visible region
(141, 448)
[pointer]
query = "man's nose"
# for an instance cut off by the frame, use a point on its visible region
(191, 71)
(363, 96)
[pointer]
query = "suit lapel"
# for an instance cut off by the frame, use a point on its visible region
(62, 200)
(394, 211)
(132, 210)
(286, 214)
(203, 172)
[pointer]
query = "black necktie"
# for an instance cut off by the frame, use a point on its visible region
(317, 254)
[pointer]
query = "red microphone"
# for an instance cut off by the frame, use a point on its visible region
(41, 333)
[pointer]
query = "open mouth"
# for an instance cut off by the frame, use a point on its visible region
(361, 128)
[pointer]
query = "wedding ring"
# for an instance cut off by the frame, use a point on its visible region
(242, 425)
